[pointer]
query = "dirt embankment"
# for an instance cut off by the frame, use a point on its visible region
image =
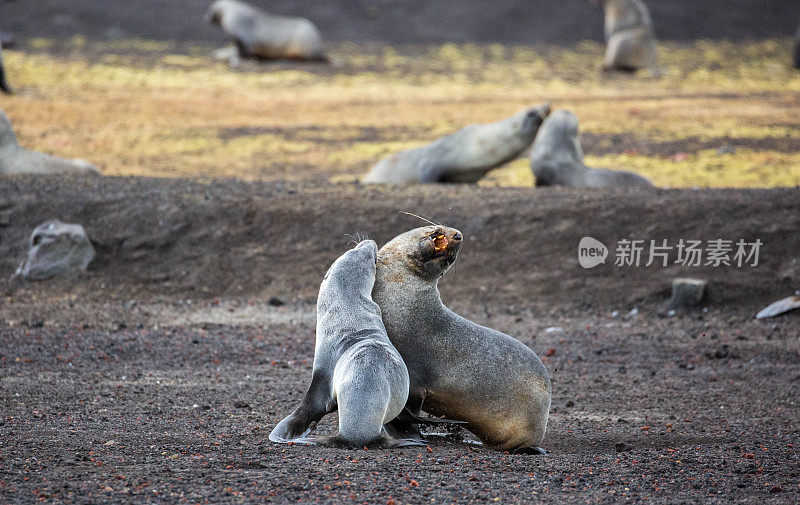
(233, 238)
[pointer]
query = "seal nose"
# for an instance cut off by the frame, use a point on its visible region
(457, 236)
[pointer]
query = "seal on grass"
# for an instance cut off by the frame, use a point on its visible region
(464, 156)
(15, 159)
(557, 159)
(630, 40)
(261, 35)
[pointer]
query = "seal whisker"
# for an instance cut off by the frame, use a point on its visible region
(420, 217)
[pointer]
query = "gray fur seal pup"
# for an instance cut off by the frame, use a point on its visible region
(15, 159)
(630, 39)
(557, 159)
(464, 156)
(356, 368)
(261, 35)
(457, 368)
(4, 87)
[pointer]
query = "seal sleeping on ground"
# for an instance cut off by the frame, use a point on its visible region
(4, 87)
(630, 40)
(261, 35)
(457, 368)
(18, 160)
(356, 368)
(557, 159)
(465, 156)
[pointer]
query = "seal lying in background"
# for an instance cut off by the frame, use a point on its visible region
(261, 35)
(465, 156)
(4, 87)
(18, 160)
(356, 368)
(630, 40)
(457, 368)
(557, 159)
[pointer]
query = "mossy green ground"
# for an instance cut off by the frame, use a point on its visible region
(720, 114)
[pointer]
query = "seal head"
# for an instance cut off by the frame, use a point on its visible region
(429, 251)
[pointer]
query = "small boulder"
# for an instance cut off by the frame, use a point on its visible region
(687, 292)
(56, 249)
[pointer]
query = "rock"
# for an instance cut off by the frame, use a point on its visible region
(276, 302)
(687, 292)
(56, 249)
(622, 447)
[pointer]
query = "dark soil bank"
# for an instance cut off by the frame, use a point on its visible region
(157, 375)
(405, 21)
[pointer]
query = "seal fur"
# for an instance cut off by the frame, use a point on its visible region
(557, 158)
(464, 156)
(457, 368)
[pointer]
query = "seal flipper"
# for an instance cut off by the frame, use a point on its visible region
(4, 87)
(316, 403)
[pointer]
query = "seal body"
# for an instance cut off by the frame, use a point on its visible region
(557, 158)
(630, 40)
(4, 87)
(15, 159)
(261, 35)
(457, 368)
(464, 156)
(356, 368)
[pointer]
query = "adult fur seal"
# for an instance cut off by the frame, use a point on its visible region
(464, 156)
(557, 158)
(261, 35)
(457, 368)
(356, 368)
(630, 40)
(18, 160)
(4, 87)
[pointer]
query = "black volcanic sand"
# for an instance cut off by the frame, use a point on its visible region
(156, 376)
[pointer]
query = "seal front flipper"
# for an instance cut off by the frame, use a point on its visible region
(433, 174)
(316, 403)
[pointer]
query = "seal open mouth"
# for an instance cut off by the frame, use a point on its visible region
(440, 243)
